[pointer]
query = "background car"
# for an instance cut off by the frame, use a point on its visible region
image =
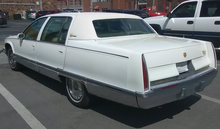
(32, 15)
(3, 19)
(152, 13)
(137, 12)
(42, 13)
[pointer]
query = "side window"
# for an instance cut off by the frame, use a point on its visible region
(217, 10)
(56, 30)
(185, 10)
(31, 32)
(210, 8)
(64, 30)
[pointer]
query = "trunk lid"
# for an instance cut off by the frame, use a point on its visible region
(168, 58)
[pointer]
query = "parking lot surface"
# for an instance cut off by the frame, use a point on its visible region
(31, 100)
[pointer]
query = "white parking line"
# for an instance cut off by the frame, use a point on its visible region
(24, 113)
(210, 99)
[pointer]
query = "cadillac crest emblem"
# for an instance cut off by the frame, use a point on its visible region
(184, 54)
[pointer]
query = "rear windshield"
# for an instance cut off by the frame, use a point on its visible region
(121, 27)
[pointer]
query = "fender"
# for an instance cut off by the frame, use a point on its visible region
(6, 46)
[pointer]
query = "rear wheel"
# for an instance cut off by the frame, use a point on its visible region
(12, 62)
(77, 93)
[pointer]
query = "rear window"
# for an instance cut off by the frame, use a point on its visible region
(120, 27)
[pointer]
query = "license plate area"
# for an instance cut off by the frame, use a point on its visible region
(182, 67)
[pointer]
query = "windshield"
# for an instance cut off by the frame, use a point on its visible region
(121, 27)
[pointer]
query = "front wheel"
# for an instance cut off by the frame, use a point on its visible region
(77, 93)
(12, 62)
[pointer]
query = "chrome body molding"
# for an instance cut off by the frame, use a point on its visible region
(38, 67)
(99, 52)
(104, 90)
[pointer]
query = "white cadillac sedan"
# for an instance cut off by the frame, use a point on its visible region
(114, 56)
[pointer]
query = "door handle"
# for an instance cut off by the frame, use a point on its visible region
(217, 22)
(60, 51)
(190, 22)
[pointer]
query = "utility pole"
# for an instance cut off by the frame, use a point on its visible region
(118, 4)
(136, 4)
(91, 5)
(41, 7)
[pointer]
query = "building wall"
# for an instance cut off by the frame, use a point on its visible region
(169, 4)
(86, 6)
(21, 6)
(102, 5)
(70, 4)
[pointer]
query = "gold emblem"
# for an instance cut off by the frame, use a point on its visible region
(184, 54)
(204, 52)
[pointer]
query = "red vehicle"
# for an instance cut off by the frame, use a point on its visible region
(151, 13)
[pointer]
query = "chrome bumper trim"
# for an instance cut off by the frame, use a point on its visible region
(184, 80)
(159, 95)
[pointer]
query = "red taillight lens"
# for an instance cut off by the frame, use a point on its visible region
(144, 70)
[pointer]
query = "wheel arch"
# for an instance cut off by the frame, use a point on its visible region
(9, 45)
(63, 80)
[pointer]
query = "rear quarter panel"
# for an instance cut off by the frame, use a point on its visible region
(91, 61)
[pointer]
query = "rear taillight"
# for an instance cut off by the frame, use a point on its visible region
(144, 71)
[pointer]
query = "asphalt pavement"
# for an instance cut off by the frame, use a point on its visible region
(31, 100)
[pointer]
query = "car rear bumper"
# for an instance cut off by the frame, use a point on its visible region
(166, 93)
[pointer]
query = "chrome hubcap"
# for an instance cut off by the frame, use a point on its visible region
(12, 61)
(75, 90)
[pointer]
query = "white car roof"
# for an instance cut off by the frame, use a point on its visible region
(97, 15)
(82, 25)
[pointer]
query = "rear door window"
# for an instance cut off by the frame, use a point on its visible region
(56, 30)
(210, 9)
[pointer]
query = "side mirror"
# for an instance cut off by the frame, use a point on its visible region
(169, 15)
(21, 36)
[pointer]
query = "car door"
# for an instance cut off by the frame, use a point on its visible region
(50, 51)
(182, 20)
(25, 49)
(207, 25)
